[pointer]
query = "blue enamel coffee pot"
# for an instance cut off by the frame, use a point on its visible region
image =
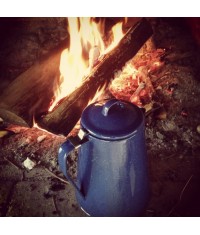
(112, 175)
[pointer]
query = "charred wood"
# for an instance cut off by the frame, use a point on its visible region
(66, 114)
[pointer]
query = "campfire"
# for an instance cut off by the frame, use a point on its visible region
(127, 59)
(86, 67)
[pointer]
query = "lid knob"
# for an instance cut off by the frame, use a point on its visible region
(109, 104)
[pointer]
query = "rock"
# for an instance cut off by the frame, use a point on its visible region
(149, 133)
(41, 138)
(169, 125)
(29, 164)
(28, 203)
(159, 135)
(25, 141)
(53, 163)
(187, 136)
(162, 115)
(5, 190)
(9, 172)
(198, 129)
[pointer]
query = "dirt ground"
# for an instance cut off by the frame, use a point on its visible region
(172, 128)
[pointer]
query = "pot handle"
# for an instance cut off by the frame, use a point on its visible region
(64, 151)
(109, 104)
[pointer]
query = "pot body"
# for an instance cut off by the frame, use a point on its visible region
(113, 176)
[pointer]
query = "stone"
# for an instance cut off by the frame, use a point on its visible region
(169, 125)
(41, 138)
(37, 174)
(67, 204)
(159, 135)
(10, 172)
(29, 164)
(5, 190)
(158, 203)
(198, 129)
(28, 200)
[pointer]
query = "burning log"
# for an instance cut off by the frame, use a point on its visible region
(67, 113)
(31, 92)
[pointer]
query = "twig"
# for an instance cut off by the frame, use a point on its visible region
(12, 163)
(54, 175)
(170, 156)
(181, 194)
(185, 187)
(152, 110)
(55, 205)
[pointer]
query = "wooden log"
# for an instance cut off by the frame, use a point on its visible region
(31, 92)
(66, 114)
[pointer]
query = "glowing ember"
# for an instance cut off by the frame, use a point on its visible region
(86, 45)
(133, 83)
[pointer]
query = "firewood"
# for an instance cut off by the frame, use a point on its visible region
(66, 114)
(31, 92)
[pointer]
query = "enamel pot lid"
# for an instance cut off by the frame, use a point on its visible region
(112, 120)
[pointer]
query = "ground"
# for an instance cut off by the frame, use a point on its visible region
(172, 138)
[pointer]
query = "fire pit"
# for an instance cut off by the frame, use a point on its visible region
(162, 78)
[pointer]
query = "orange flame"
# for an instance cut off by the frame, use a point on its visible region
(86, 45)
(117, 36)
(35, 125)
